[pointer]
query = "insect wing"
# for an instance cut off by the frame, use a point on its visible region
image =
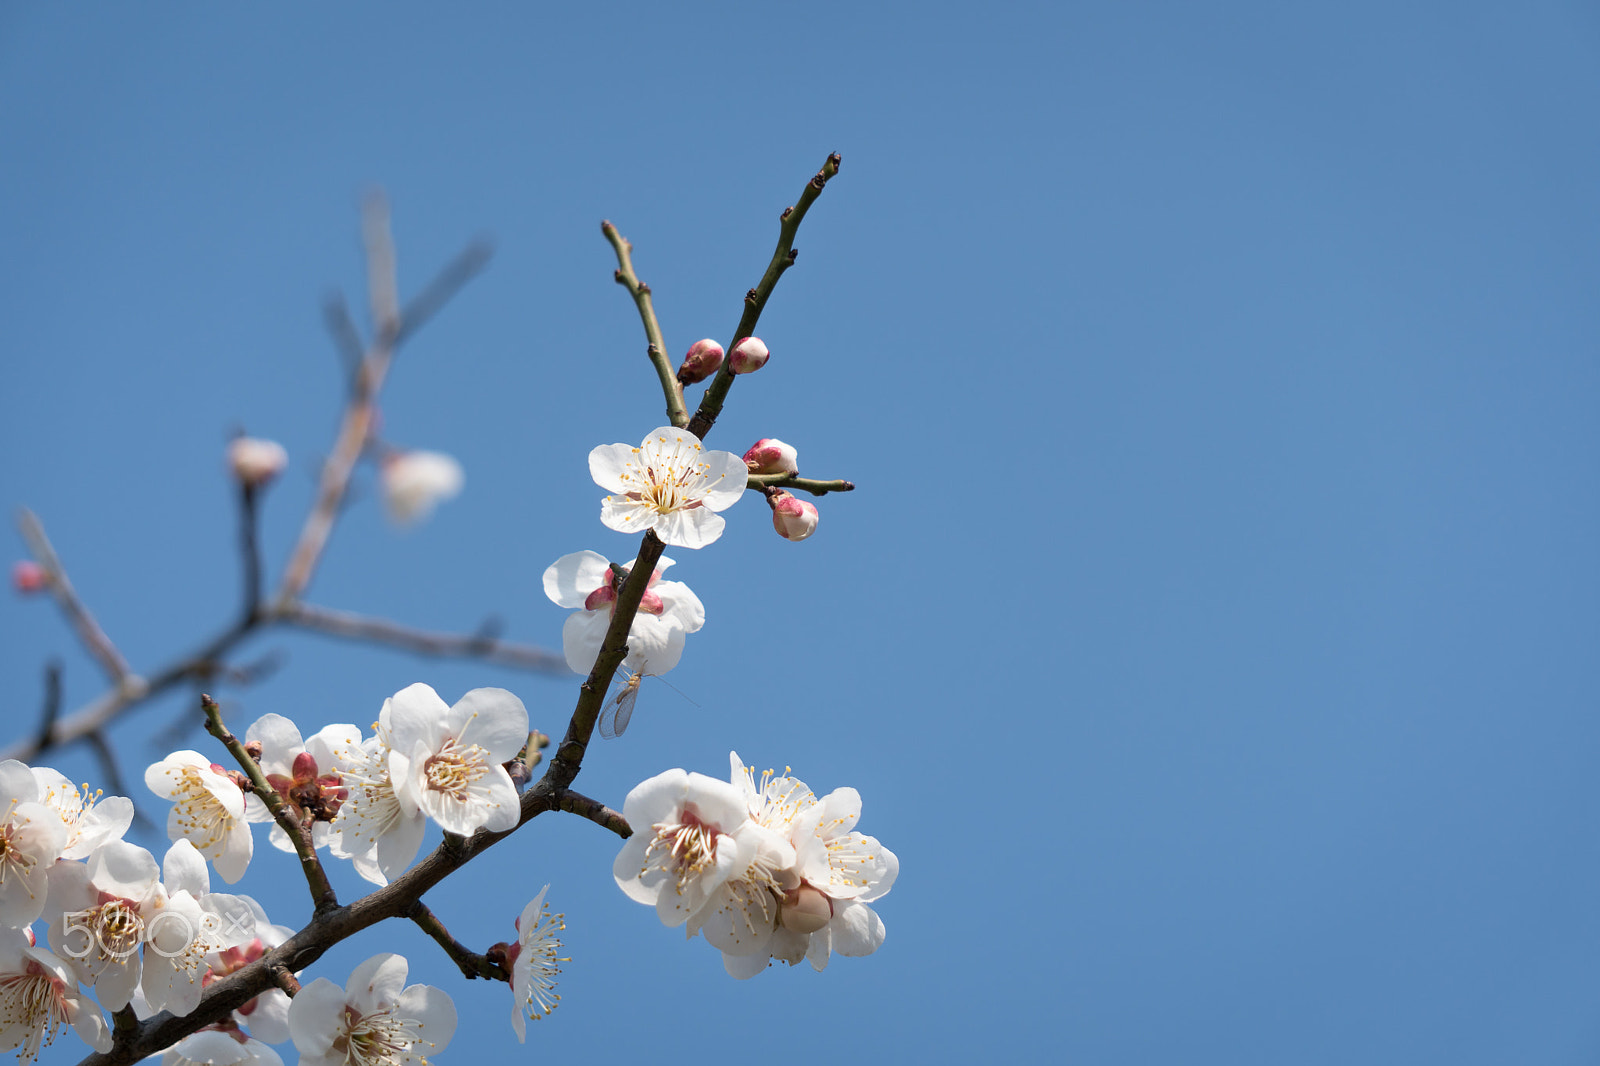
(618, 712)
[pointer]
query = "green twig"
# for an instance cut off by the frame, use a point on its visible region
(322, 895)
(676, 412)
(804, 484)
(756, 299)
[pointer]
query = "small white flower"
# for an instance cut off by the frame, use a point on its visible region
(194, 924)
(99, 916)
(267, 1016)
(306, 774)
(38, 997)
(690, 834)
(372, 1021)
(90, 821)
(208, 809)
(670, 483)
(415, 482)
(447, 761)
(532, 960)
(254, 461)
(373, 829)
(32, 836)
(668, 611)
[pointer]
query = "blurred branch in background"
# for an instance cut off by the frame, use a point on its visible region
(368, 365)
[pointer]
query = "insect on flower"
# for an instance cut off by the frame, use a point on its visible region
(618, 711)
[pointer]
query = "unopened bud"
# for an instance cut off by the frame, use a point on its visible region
(255, 462)
(770, 455)
(805, 910)
(252, 748)
(748, 356)
(702, 361)
(28, 577)
(794, 519)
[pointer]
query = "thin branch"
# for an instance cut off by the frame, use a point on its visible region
(381, 631)
(89, 631)
(756, 299)
(597, 812)
(284, 979)
(52, 700)
(471, 964)
(249, 549)
(467, 264)
(657, 350)
(383, 289)
(336, 316)
(322, 895)
(804, 484)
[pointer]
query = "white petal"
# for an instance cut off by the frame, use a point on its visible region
(433, 1011)
(609, 465)
(416, 711)
(184, 869)
(694, 528)
(581, 637)
(745, 967)
(626, 516)
(683, 608)
(728, 477)
(315, 1016)
(493, 719)
(280, 742)
(857, 930)
(17, 782)
(571, 578)
(653, 646)
(377, 983)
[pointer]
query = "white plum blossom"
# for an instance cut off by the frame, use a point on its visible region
(416, 482)
(372, 1021)
(532, 962)
(220, 1045)
(268, 1014)
(254, 461)
(447, 761)
(39, 997)
(194, 924)
(306, 774)
(373, 829)
(32, 836)
(99, 918)
(208, 810)
(668, 611)
(691, 833)
(90, 821)
(670, 483)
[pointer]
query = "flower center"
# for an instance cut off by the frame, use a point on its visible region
(31, 1003)
(203, 818)
(454, 768)
(115, 927)
(11, 856)
(684, 848)
(373, 1039)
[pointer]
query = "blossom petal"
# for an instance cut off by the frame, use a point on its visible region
(857, 930)
(683, 608)
(569, 580)
(314, 1016)
(280, 742)
(581, 637)
(495, 720)
(610, 466)
(728, 476)
(693, 528)
(432, 1010)
(376, 984)
(183, 869)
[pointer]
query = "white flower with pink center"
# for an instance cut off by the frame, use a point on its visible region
(32, 836)
(447, 762)
(667, 613)
(373, 829)
(670, 483)
(373, 1020)
(208, 810)
(306, 774)
(691, 833)
(39, 997)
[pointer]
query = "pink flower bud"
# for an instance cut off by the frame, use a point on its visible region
(770, 455)
(749, 355)
(702, 361)
(794, 519)
(604, 596)
(255, 462)
(805, 910)
(28, 577)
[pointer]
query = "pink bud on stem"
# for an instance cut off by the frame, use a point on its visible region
(794, 519)
(748, 356)
(769, 455)
(702, 361)
(28, 577)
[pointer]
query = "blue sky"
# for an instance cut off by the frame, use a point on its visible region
(1212, 634)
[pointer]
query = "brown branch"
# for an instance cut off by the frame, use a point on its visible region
(322, 895)
(52, 700)
(597, 812)
(677, 414)
(756, 299)
(471, 964)
(89, 632)
(381, 631)
(249, 549)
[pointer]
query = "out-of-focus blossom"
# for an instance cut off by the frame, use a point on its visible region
(254, 462)
(416, 482)
(670, 483)
(28, 577)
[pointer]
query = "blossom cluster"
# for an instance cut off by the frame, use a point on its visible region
(764, 870)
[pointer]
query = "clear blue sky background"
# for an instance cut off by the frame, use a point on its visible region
(1213, 634)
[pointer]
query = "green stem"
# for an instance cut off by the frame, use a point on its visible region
(804, 484)
(676, 412)
(756, 299)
